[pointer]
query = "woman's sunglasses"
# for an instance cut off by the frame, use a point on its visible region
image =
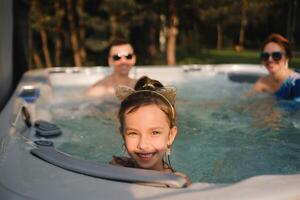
(117, 57)
(276, 55)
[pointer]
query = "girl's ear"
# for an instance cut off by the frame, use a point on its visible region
(172, 135)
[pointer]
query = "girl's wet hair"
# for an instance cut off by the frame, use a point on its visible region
(145, 83)
(139, 99)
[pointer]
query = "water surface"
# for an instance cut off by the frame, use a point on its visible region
(223, 136)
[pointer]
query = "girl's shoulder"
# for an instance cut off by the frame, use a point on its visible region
(171, 170)
(168, 169)
(188, 181)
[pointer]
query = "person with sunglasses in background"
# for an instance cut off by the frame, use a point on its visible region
(281, 81)
(121, 58)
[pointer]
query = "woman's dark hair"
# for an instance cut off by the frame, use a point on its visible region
(281, 41)
(139, 99)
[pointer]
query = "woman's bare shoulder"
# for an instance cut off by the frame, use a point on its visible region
(260, 84)
(132, 82)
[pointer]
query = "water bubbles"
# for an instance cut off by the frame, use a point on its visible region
(296, 125)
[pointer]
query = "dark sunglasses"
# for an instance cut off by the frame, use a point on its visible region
(276, 55)
(117, 57)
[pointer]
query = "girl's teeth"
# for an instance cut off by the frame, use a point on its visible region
(145, 155)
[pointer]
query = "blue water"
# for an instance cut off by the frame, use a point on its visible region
(223, 136)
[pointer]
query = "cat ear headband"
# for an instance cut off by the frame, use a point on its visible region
(167, 93)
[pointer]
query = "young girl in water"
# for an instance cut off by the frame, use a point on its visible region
(147, 124)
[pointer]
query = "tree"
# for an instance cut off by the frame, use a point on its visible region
(59, 14)
(78, 32)
(291, 20)
(82, 29)
(172, 32)
(39, 25)
(220, 13)
(244, 19)
(73, 33)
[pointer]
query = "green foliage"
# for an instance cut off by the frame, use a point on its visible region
(140, 22)
(213, 56)
(222, 56)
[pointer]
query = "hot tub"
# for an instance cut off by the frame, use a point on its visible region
(226, 141)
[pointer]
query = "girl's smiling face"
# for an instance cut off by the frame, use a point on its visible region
(147, 135)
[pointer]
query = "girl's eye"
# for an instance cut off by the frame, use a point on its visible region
(155, 132)
(131, 133)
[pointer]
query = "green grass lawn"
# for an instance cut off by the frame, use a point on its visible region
(228, 56)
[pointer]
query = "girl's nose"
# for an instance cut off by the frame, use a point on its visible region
(143, 142)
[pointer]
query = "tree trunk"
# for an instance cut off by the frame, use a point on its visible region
(80, 11)
(47, 56)
(74, 39)
(152, 48)
(37, 60)
(113, 26)
(35, 56)
(171, 47)
(219, 36)
(243, 23)
(43, 34)
(59, 12)
(172, 32)
(291, 20)
(162, 33)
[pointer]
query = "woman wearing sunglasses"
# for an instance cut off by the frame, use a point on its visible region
(281, 81)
